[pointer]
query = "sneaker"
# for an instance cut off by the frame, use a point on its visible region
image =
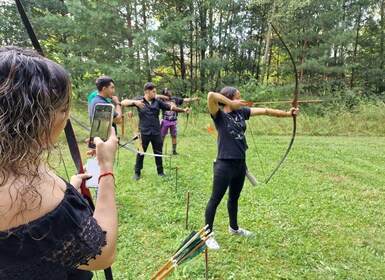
(162, 175)
(136, 177)
(175, 153)
(212, 244)
(240, 231)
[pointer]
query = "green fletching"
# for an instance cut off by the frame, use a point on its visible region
(186, 240)
(196, 252)
(190, 247)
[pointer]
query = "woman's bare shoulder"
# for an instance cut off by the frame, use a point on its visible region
(21, 204)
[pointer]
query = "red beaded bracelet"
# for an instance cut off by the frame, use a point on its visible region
(106, 174)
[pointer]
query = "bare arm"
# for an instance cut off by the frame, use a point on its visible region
(213, 100)
(118, 110)
(191, 99)
(273, 112)
(132, 102)
(178, 109)
(105, 210)
(161, 96)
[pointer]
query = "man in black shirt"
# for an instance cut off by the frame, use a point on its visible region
(149, 126)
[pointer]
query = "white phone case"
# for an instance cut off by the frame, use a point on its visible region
(92, 168)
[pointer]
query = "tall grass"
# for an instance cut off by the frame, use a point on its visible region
(320, 217)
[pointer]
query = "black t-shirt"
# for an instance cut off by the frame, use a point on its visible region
(149, 116)
(231, 129)
(51, 247)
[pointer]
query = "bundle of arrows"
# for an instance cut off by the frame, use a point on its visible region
(193, 245)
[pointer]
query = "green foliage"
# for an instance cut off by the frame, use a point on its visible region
(205, 45)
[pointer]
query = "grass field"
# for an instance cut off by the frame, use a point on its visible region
(320, 217)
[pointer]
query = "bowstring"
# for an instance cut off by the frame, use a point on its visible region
(63, 161)
(256, 149)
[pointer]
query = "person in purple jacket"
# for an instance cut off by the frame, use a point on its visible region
(170, 118)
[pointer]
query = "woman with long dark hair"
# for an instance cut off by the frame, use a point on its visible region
(230, 164)
(47, 229)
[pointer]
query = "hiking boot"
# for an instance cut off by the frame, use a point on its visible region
(212, 244)
(240, 231)
(175, 153)
(136, 177)
(161, 174)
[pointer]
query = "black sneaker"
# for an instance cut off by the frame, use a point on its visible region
(175, 153)
(136, 177)
(162, 175)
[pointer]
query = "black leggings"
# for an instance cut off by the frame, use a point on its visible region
(227, 173)
(157, 145)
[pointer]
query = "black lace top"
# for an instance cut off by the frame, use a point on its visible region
(53, 245)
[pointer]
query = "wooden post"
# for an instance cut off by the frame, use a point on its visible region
(176, 179)
(207, 263)
(122, 125)
(187, 208)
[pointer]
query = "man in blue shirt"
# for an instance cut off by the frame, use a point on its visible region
(106, 89)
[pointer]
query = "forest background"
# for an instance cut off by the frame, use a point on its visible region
(195, 46)
(321, 216)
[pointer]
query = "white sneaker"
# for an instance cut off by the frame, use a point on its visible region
(212, 244)
(240, 231)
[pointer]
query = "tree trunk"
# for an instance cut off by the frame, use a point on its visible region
(265, 57)
(381, 80)
(191, 35)
(129, 24)
(174, 64)
(146, 49)
(182, 66)
(258, 59)
(203, 48)
(137, 30)
(303, 59)
(352, 78)
(130, 42)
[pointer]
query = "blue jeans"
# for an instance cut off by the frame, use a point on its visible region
(228, 173)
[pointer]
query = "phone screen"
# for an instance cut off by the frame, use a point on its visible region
(101, 122)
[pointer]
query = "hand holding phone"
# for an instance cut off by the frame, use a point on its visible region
(101, 122)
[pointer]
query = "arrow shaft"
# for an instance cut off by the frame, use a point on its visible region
(283, 102)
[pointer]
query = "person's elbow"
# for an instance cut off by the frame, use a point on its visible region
(103, 261)
(118, 120)
(108, 260)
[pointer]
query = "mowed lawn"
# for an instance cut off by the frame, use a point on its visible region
(320, 217)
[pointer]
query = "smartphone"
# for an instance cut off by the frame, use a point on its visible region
(101, 122)
(92, 168)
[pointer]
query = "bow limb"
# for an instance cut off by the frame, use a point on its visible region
(185, 127)
(294, 104)
(76, 157)
(134, 127)
(137, 136)
(28, 27)
(71, 139)
(187, 119)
